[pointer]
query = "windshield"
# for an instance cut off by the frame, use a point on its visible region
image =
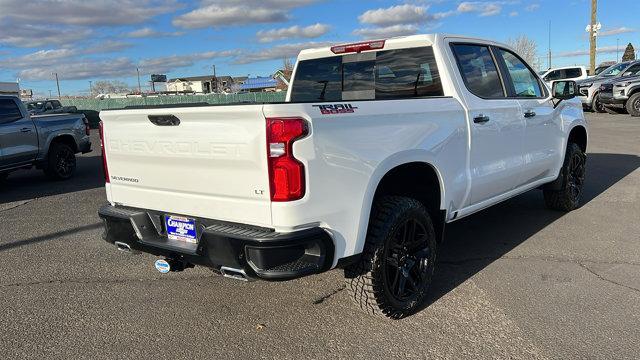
(614, 70)
(34, 105)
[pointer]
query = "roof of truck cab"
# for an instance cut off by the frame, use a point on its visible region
(399, 42)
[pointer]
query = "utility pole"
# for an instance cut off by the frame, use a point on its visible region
(139, 87)
(90, 88)
(49, 94)
(549, 60)
(215, 81)
(57, 84)
(592, 36)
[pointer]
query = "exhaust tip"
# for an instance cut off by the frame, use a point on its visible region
(124, 247)
(236, 274)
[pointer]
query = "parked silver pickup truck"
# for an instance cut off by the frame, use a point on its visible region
(43, 107)
(48, 142)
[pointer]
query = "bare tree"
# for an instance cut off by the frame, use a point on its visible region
(110, 86)
(526, 48)
(287, 65)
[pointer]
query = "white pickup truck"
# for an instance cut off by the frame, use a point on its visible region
(378, 145)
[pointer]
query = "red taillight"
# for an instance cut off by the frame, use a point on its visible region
(104, 158)
(286, 174)
(358, 47)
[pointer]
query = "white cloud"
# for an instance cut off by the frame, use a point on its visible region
(85, 13)
(601, 50)
(215, 13)
(482, 8)
(107, 46)
(387, 31)
(74, 64)
(394, 15)
(22, 34)
(513, 14)
(82, 69)
(616, 31)
(532, 7)
(168, 63)
(308, 32)
(147, 32)
(277, 52)
(55, 57)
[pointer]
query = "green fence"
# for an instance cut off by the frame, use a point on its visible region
(91, 107)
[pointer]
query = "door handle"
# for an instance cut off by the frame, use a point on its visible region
(481, 119)
(25, 130)
(529, 114)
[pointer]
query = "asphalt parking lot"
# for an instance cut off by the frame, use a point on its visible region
(514, 281)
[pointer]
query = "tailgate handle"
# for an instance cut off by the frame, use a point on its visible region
(164, 120)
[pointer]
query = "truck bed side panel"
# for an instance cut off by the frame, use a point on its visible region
(347, 154)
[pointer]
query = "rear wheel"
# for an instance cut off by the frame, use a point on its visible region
(573, 174)
(61, 162)
(596, 105)
(396, 268)
(633, 104)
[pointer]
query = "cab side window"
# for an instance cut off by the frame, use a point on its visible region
(633, 70)
(524, 81)
(554, 75)
(479, 70)
(573, 73)
(9, 111)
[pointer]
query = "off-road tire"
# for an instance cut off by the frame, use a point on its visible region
(369, 280)
(596, 105)
(61, 162)
(572, 175)
(633, 104)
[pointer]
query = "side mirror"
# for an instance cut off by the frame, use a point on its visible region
(564, 89)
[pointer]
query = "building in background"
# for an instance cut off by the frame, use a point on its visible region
(283, 76)
(9, 88)
(259, 84)
(26, 94)
(201, 84)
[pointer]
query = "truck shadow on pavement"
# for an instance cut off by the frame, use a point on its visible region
(473, 243)
(31, 184)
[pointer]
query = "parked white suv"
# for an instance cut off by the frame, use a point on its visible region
(378, 145)
(565, 73)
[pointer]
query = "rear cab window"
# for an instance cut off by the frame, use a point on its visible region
(380, 75)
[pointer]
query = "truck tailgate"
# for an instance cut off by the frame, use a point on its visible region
(213, 164)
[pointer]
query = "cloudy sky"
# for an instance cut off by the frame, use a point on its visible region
(108, 39)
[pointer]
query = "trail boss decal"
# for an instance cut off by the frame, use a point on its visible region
(336, 109)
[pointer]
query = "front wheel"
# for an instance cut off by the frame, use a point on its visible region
(596, 105)
(397, 264)
(633, 105)
(61, 162)
(573, 174)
